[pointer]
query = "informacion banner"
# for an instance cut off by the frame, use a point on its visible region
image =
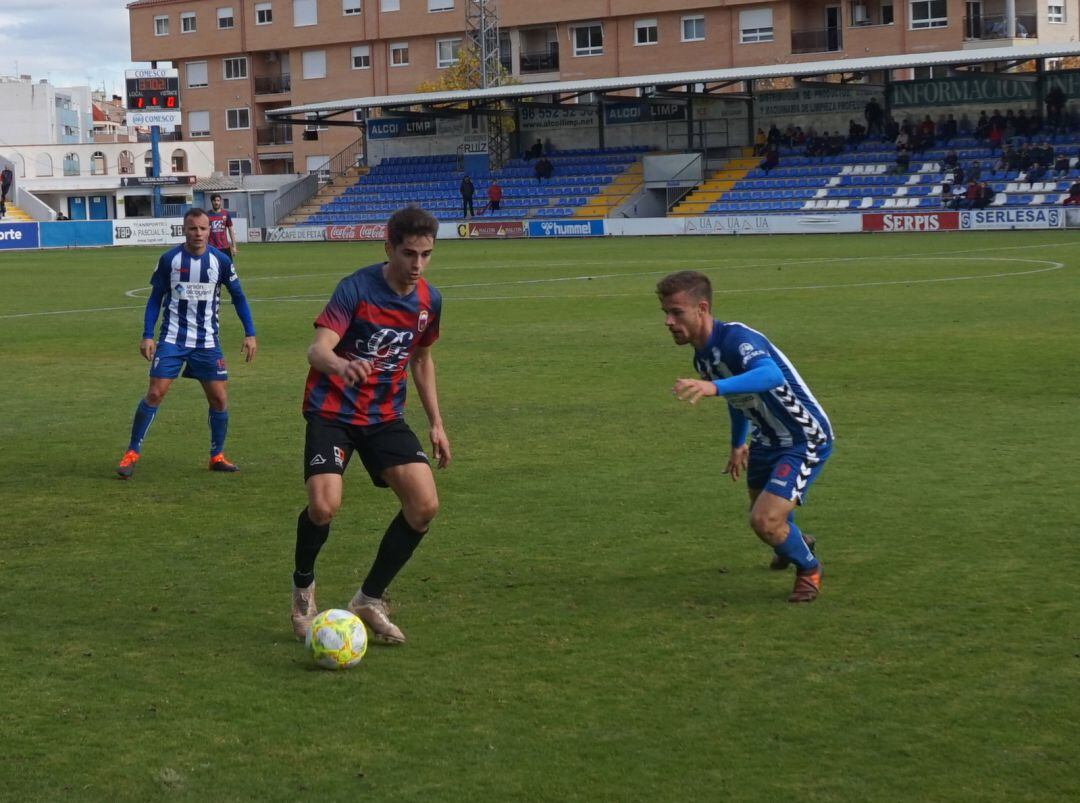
(394, 127)
(365, 231)
(911, 221)
(535, 117)
(148, 231)
(566, 228)
(1012, 218)
(987, 88)
(491, 229)
(18, 236)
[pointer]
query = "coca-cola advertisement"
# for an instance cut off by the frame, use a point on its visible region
(364, 231)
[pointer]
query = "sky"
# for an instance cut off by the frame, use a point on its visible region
(68, 42)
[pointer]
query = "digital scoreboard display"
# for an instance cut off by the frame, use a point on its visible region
(152, 90)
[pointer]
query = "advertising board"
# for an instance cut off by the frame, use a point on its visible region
(491, 229)
(911, 221)
(566, 228)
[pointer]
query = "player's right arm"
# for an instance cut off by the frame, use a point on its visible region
(159, 283)
(323, 358)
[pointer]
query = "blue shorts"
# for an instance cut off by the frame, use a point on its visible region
(204, 364)
(786, 472)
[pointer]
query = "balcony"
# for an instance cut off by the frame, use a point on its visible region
(277, 134)
(824, 40)
(541, 61)
(993, 26)
(272, 84)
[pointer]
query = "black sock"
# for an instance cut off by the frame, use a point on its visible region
(309, 540)
(396, 548)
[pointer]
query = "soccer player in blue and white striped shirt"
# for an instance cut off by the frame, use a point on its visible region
(790, 434)
(187, 286)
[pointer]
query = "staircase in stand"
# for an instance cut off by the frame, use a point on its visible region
(713, 188)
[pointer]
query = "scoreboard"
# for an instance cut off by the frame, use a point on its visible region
(152, 90)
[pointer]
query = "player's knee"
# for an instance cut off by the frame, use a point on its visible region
(322, 511)
(765, 523)
(154, 397)
(420, 513)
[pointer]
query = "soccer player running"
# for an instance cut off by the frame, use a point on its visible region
(187, 283)
(379, 320)
(222, 235)
(790, 435)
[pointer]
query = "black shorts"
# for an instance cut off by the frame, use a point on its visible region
(329, 445)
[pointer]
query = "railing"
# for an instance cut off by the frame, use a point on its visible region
(542, 61)
(275, 134)
(996, 27)
(32, 205)
(174, 210)
(272, 84)
(825, 40)
(299, 193)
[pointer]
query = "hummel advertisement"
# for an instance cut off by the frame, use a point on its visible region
(18, 235)
(566, 228)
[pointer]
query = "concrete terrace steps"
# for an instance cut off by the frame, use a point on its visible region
(713, 188)
(611, 195)
(16, 215)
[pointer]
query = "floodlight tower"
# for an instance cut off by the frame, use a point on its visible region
(482, 35)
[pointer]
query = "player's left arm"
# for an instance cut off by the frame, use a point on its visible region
(243, 312)
(423, 374)
(232, 233)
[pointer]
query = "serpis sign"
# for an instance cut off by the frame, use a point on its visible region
(566, 228)
(18, 235)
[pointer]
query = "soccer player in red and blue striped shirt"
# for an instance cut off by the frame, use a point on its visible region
(380, 321)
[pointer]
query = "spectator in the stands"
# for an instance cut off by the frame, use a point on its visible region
(774, 136)
(892, 129)
(1074, 195)
(856, 133)
(759, 143)
(536, 151)
(927, 128)
(948, 130)
(1055, 106)
(903, 140)
(903, 162)
(544, 169)
(771, 160)
(971, 196)
(982, 126)
(995, 137)
(950, 161)
(974, 171)
(467, 191)
(948, 196)
(986, 195)
(1061, 165)
(874, 115)
(494, 194)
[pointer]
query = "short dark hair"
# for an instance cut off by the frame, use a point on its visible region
(215, 195)
(195, 211)
(695, 284)
(412, 221)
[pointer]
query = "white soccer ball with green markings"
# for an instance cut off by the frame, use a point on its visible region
(337, 639)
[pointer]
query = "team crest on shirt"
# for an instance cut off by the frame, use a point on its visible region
(422, 321)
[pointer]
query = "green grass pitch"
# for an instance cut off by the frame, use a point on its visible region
(590, 617)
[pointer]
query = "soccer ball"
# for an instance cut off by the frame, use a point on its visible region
(337, 639)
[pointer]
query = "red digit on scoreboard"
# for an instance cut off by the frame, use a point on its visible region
(170, 102)
(139, 102)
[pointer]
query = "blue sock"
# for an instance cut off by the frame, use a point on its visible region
(144, 417)
(219, 426)
(796, 550)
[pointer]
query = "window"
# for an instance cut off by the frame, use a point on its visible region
(755, 25)
(645, 32)
(399, 54)
(179, 161)
(161, 26)
(187, 22)
(235, 68)
(440, 5)
(693, 29)
(361, 57)
(588, 40)
(235, 119)
(264, 13)
(97, 164)
(1055, 12)
(198, 124)
(447, 52)
(71, 164)
(929, 14)
(225, 18)
(125, 163)
(305, 12)
(350, 7)
(239, 167)
(389, 5)
(196, 74)
(313, 64)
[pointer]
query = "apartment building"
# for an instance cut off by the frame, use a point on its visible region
(38, 113)
(240, 58)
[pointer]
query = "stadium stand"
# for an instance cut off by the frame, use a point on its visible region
(863, 177)
(583, 181)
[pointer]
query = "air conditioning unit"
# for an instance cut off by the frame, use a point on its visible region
(859, 15)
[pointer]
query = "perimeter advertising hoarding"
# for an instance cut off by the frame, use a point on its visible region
(772, 224)
(364, 231)
(566, 228)
(18, 235)
(1017, 217)
(491, 229)
(297, 234)
(911, 221)
(148, 231)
